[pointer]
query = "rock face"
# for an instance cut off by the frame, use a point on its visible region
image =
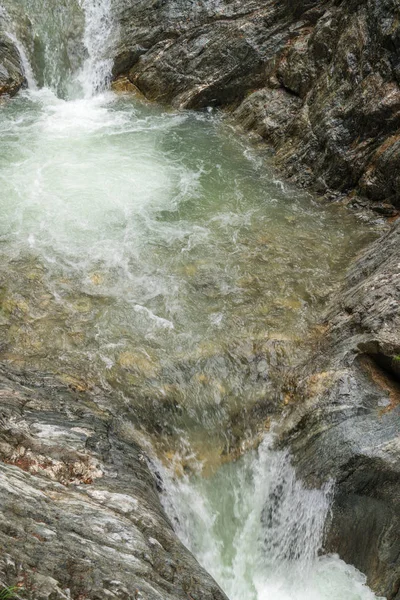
(80, 515)
(11, 73)
(319, 80)
(347, 426)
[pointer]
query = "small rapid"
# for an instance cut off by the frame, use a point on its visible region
(259, 532)
(154, 253)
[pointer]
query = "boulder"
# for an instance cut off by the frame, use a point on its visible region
(81, 515)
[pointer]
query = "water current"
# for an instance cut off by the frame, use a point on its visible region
(155, 254)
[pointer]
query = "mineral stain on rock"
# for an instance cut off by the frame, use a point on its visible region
(80, 511)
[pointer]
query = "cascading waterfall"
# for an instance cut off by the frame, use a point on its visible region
(25, 62)
(69, 47)
(26, 65)
(150, 252)
(259, 531)
(95, 74)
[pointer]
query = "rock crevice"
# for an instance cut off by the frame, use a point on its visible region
(344, 418)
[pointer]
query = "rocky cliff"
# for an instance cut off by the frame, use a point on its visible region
(318, 80)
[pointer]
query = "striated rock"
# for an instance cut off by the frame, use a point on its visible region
(196, 54)
(343, 137)
(327, 74)
(369, 315)
(81, 516)
(269, 113)
(11, 72)
(347, 425)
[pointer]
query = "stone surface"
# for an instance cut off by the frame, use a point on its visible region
(11, 73)
(319, 80)
(81, 516)
(343, 418)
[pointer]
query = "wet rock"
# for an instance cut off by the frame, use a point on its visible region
(193, 55)
(343, 420)
(120, 85)
(11, 72)
(269, 113)
(319, 81)
(81, 517)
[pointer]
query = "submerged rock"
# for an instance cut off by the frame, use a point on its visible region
(81, 516)
(347, 425)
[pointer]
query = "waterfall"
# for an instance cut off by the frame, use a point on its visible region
(25, 62)
(259, 531)
(95, 74)
(72, 44)
(278, 524)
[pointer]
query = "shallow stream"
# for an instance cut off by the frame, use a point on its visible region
(155, 254)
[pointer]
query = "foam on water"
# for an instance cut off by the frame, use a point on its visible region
(70, 193)
(259, 532)
(155, 253)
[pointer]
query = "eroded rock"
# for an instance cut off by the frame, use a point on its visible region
(81, 516)
(11, 72)
(318, 80)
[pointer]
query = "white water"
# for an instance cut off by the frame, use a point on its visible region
(95, 74)
(259, 532)
(131, 236)
(26, 66)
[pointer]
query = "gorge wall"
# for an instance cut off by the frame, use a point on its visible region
(347, 424)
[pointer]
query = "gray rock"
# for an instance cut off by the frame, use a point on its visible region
(11, 72)
(345, 420)
(268, 112)
(81, 516)
(327, 73)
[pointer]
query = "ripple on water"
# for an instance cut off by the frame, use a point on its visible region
(152, 252)
(127, 229)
